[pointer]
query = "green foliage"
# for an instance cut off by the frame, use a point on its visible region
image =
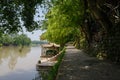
(59, 35)
(43, 36)
(7, 40)
(66, 20)
(63, 21)
(0, 44)
(65, 13)
(12, 12)
(21, 40)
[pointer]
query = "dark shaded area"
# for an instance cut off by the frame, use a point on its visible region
(76, 65)
(101, 28)
(12, 12)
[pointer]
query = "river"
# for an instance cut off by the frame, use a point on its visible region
(18, 63)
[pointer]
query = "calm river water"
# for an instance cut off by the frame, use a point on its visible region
(17, 63)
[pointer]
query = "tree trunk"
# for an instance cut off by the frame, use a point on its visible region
(99, 15)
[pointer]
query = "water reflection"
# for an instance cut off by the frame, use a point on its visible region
(18, 63)
(12, 54)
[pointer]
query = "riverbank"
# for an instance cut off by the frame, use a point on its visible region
(76, 65)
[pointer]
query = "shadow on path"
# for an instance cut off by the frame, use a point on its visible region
(79, 66)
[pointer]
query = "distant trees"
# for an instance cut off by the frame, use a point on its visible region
(15, 40)
(6, 40)
(39, 42)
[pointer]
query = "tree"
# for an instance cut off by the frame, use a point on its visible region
(21, 40)
(63, 21)
(97, 21)
(16, 40)
(103, 14)
(13, 12)
(6, 40)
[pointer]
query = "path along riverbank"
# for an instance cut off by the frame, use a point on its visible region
(76, 65)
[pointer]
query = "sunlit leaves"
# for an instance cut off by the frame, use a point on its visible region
(63, 19)
(59, 35)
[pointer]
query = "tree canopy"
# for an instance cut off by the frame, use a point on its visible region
(95, 23)
(15, 12)
(62, 20)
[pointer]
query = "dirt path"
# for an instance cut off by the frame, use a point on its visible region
(79, 66)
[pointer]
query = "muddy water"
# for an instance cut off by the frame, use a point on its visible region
(18, 63)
